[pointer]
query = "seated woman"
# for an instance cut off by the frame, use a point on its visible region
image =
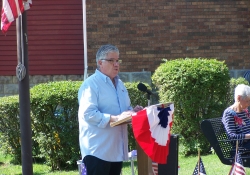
(236, 118)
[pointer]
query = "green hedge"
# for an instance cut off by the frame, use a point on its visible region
(54, 109)
(54, 106)
(10, 127)
(199, 89)
(54, 122)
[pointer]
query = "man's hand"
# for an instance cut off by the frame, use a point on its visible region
(114, 118)
(138, 108)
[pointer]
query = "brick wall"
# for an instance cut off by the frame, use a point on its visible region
(146, 31)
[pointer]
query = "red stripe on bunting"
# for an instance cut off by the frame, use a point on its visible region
(141, 129)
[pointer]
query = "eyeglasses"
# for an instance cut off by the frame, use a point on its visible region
(113, 61)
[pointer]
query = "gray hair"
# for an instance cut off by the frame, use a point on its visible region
(242, 90)
(104, 50)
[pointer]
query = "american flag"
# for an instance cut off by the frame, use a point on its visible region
(155, 168)
(11, 9)
(83, 169)
(237, 168)
(201, 170)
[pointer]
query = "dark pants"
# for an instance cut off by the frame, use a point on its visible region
(96, 166)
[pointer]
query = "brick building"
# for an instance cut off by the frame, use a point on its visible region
(145, 31)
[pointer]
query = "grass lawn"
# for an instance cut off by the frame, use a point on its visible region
(6, 168)
(212, 164)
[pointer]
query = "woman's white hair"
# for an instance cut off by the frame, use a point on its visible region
(242, 90)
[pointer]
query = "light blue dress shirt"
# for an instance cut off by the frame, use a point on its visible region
(98, 99)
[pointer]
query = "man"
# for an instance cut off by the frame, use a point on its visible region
(103, 98)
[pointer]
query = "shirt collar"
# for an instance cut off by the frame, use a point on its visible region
(105, 77)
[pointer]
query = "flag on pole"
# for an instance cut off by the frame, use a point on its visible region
(237, 168)
(199, 168)
(155, 168)
(11, 9)
(83, 169)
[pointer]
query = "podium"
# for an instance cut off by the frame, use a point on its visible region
(171, 167)
(151, 127)
(144, 163)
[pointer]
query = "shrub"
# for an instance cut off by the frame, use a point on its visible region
(54, 123)
(198, 88)
(10, 127)
(54, 116)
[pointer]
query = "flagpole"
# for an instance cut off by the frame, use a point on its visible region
(236, 150)
(22, 72)
(85, 39)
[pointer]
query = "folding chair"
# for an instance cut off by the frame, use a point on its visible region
(215, 133)
(132, 157)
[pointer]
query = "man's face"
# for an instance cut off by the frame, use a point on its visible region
(110, 65)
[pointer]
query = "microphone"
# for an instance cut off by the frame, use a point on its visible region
(143, 88)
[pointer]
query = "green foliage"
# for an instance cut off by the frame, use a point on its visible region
(10, 127)
(54, 123)
(198, 88)
(137, 98)
(54, 107)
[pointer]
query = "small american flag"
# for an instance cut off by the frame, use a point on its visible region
(83, 169)
(237, 168)
(155, 168)
(199, 169)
